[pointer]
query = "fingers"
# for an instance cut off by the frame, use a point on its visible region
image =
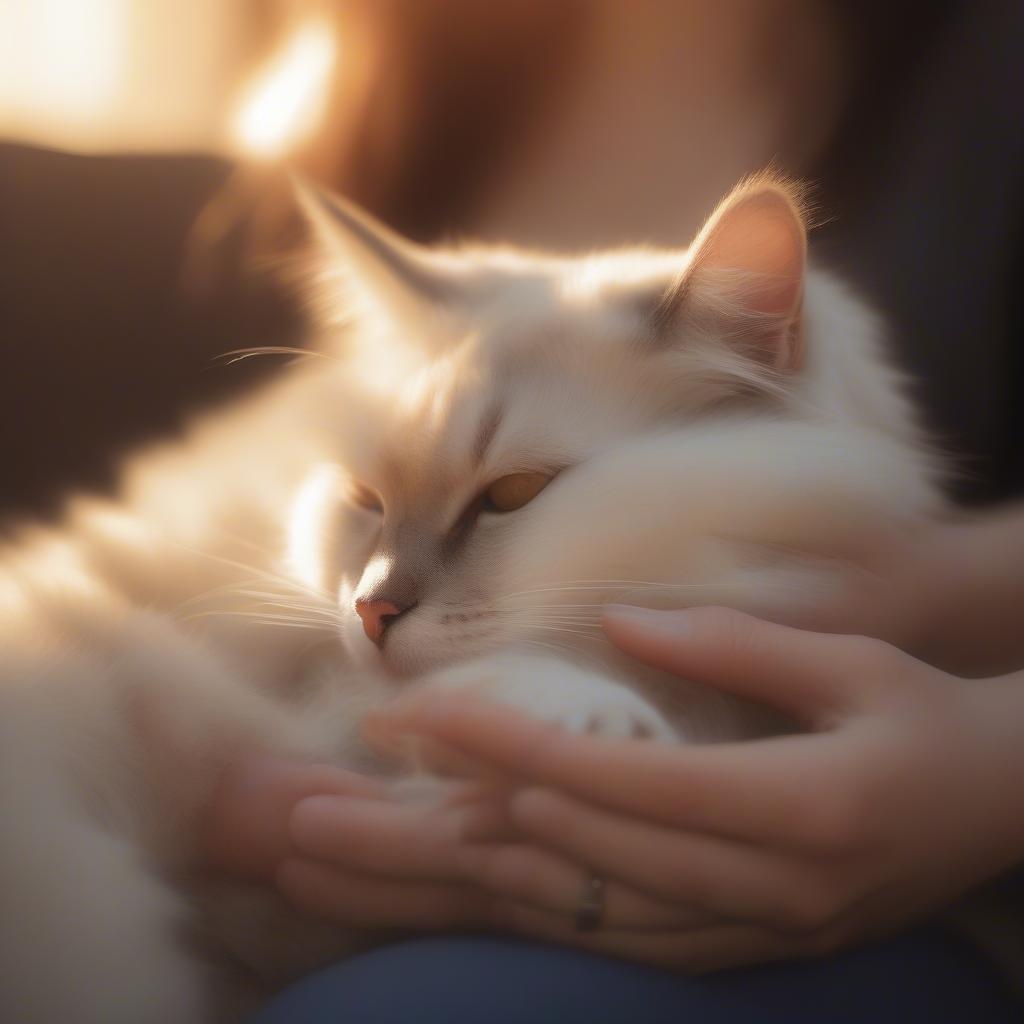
(377, 842)
(392, 865)
(361, 901)
(805, 674)
(545, 881)
(378, 837)
(718, 878)
(759, 790)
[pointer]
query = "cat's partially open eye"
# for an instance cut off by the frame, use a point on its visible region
(365, 497)
(512, 492)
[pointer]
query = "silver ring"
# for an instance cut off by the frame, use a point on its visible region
(590, 912)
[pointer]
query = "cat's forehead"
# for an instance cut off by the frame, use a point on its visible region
(462, 417)
(453, 408)
(519, 386)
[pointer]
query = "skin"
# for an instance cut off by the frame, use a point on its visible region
(900, 795)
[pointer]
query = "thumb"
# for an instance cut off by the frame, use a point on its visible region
(803, 674)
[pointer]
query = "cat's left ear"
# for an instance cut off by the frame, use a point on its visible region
(744, 279)
(401, 279)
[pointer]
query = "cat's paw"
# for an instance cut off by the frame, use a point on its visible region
(576, 700)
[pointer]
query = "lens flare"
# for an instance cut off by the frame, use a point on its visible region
(286, 100)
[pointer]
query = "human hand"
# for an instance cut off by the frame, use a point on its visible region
(346, 847)
(950, 593)
(903, 794)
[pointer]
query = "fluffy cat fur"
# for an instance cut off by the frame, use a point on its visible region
(719, 425)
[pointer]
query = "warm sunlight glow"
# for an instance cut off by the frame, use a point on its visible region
(104, 76)
(308, 522)
(287, 99)
(112, 523)
(48, 563)
(62, 62)
(13, 600)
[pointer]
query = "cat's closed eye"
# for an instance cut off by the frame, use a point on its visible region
(364, 497)
(512, 492)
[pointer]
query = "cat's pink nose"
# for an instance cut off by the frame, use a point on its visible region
(376, 616)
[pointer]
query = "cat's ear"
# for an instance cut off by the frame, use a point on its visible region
(744, 279)
(404, 280)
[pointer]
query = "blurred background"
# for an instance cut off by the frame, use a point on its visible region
(144, 217)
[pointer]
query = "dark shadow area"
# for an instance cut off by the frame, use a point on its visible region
(101, 347)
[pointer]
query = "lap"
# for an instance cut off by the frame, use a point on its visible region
(924, 975)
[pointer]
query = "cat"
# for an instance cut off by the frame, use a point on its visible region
(497, 444)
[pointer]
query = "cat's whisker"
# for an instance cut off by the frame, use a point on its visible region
(238, 354)
(565, 629)
(218, 591)
(526, 619)
(282, 599)
(566, 651)
(261, 574)
(584, 610)
(557, 648)
(262, 618)
(576, 611)
(252, 613)
(556, 605)
(279, 601)
(326, 620)
(602, 585)
(555, 620)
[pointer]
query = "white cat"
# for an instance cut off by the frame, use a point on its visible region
(502, 443)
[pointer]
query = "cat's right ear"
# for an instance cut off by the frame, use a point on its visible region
(401, 280)
(743, 281)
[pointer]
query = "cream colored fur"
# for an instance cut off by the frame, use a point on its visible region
(721, 425)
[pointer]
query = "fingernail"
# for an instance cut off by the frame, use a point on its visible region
(650, 620)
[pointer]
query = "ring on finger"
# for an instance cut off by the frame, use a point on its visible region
(591, 906)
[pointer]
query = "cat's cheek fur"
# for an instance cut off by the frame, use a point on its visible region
(705, 460)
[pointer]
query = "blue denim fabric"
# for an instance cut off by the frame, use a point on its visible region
(924, 976)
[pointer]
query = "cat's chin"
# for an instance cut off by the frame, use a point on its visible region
(396, 660)
(402, 662)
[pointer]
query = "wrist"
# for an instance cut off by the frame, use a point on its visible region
(995, 707)
(931, 578)
(963, 590)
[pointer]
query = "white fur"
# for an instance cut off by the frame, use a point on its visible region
(150, 642)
